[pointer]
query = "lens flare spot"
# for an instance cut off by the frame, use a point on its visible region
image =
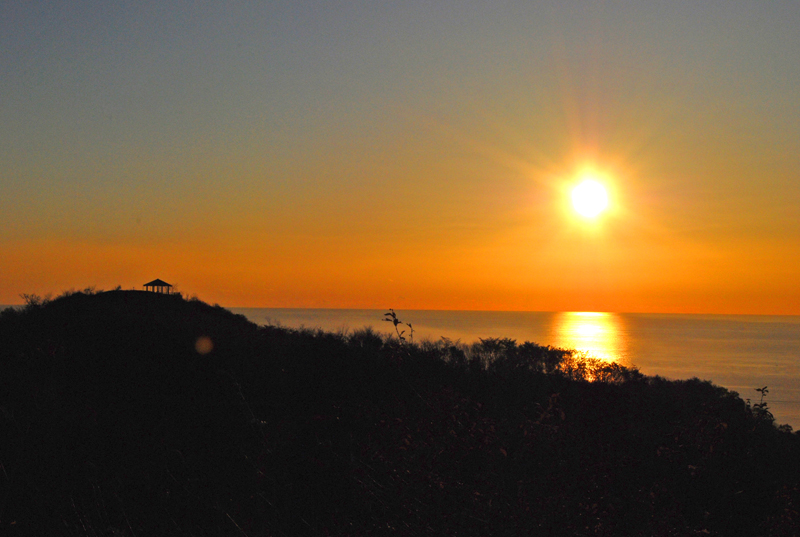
(204, 345)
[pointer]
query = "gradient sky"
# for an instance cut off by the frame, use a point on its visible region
(404, 154)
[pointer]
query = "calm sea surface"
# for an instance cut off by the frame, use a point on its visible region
(739, 352)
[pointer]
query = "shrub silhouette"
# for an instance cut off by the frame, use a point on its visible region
(113, 423)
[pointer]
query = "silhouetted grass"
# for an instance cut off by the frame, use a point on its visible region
(113, 423)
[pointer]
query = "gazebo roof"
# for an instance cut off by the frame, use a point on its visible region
(157, 283)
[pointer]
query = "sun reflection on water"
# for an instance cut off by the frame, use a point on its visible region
(599, 334)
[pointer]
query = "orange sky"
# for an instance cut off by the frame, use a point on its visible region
(370, 157)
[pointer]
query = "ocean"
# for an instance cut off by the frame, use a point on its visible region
(739, 352)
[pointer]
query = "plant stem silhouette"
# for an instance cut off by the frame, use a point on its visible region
(391, 317)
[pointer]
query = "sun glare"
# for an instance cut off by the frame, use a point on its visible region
(599, 334)
(589, 198)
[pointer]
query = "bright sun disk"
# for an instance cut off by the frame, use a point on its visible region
(589, 198)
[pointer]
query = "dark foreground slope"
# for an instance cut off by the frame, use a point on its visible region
(113, 423)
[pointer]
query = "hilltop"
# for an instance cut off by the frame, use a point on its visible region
(133, 413)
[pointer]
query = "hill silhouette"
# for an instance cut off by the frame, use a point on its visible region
(133, 413)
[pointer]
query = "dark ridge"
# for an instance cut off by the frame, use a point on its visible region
(119, 418)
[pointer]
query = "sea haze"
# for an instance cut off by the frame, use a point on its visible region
(739, 352)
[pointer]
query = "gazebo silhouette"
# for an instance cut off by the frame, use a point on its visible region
(158, 286)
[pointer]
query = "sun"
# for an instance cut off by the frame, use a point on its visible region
(589, 198)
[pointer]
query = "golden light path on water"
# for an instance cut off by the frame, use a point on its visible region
(599, 334)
